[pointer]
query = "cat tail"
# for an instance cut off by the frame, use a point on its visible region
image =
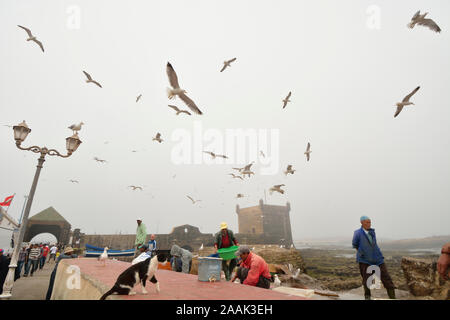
(108, 293)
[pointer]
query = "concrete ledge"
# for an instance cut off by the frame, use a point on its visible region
(88, 279)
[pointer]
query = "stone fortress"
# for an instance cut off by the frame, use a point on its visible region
(260, 224)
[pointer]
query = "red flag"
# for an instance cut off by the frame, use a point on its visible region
(7, 201)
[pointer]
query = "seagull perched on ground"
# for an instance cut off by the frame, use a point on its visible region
(289, 170)
(104, 256)
(235, 176)
(74, 181)
(239, 195)
(138, 97)
(193, 201)
(308, 151)
(178, 110)
(32, 38)
(177, 91)
(405, 102)
(421, 21)
(158, 138)
(286, 100)
(213, 155)
(201, 247)
(76, 127)
(135, 187)
(276, 281)
(227, 64)
(99, 160)
(89, 79)
(277, 188)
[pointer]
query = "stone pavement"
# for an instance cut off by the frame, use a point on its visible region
(35, 287)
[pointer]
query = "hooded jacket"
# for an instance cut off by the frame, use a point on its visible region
(368, 253)
(185, 255)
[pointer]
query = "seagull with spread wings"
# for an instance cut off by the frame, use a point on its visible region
(193, 201)
(227, 64)
(177, 91)
(76, 127)
(138, 97)
(178, 110)
(213, 155)
(73, 181)
(158, 138)
(99, 160)
(308, 151)
(421, 21)
(135, 187)
(89, 79)
(239, 195)
(289, 170)
(286, 100)
(32, 38)
(277, 188)
(405, 102)
(235, 176)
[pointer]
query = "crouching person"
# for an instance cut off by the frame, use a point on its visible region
(253, 271)
(183, 257)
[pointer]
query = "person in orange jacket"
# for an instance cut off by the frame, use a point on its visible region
(254, 271)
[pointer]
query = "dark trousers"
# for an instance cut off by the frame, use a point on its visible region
(33, 264)
(228, 268)
(385, 277)
(242, 274)
(18, 270)
(42, 262)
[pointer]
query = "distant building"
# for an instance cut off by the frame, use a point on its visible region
(265, 223)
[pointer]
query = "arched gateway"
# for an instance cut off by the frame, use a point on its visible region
(49, 221)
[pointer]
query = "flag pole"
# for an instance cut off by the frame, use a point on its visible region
(23, 208)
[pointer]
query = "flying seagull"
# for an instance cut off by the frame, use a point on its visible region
(193, 201)
(73, 181)
(138, 97)
(308, 151)
(227, 64)
(99, 160)
(158, 138)
(239, 195)
(421, 21)
(177, 91)
(262, 153)
(89, 79)
(135, 187)
(32, 38)
(76, 127)
(286, 100)
(289, 170)
(178, 110)
(213, 155)
(235, 176)
(277, 188)
(405, 102)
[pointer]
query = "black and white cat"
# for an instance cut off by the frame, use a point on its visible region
(137, 273)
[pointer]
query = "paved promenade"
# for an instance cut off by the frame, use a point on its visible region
(35, 287)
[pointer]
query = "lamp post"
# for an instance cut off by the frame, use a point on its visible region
(20, 133)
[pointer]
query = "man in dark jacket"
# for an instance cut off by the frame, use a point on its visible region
(369, 255)
(68, 254)
(4, 268)
(225, 239)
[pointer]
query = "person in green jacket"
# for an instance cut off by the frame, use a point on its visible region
(225, 239)
(141, 235)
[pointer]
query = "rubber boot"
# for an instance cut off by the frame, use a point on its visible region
(367, 293)
(391, 293)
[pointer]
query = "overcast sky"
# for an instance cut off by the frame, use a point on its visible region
(346, 62)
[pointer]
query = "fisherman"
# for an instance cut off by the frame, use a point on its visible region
(253, 271)
(369, 255)
(141, 235)
(181, 256)
(225, 239)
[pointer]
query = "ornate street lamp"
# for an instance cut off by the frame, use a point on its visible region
(21, 132)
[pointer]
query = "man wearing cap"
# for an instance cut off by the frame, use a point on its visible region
(141, 235)
(68, 254)
(225, 239)
(254, 271)
(369, 254)
(144, 254)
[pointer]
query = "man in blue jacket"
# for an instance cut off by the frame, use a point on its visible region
(369, 254)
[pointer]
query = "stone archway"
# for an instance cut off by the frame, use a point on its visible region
(48, 221)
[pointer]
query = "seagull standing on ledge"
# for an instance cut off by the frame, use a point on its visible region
(177, 91)
(104, 256)
(405, 102)
(421, 21)
(89, 79)
(32, 38)
(76, 127)
(227, 64)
